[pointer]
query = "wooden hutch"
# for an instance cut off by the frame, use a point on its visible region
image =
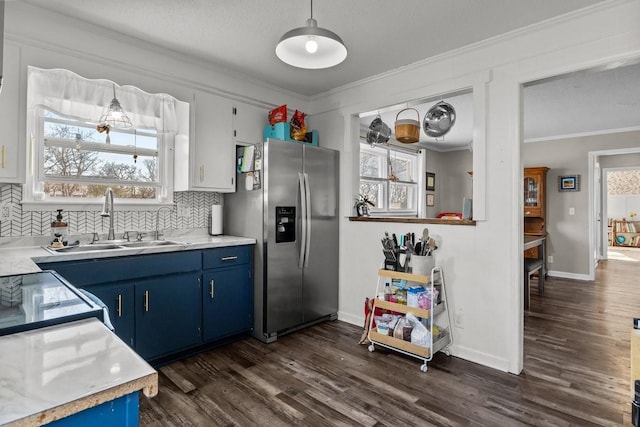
(535, 205)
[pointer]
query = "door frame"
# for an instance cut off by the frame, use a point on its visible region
(594, 229)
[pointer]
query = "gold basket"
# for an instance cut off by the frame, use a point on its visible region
(407, 130)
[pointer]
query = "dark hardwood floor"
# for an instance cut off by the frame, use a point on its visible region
(576, 372)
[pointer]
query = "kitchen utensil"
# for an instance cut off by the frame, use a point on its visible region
(378, 132)
(407, 130)
(439, 119)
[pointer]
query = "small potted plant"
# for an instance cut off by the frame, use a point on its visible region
(362, 205)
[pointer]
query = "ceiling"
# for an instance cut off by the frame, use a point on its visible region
(239, 37)
(381, 35)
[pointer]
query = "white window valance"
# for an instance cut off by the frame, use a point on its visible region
(70, 94)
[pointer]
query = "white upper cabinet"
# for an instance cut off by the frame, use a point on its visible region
(207, 161)
(10, 146)
(248, 123)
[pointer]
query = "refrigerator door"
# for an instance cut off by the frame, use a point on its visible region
(282, 164)
(320, 289)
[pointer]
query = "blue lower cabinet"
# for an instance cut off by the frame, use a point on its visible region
(119, 300)
(123, 411)
(163, 304)
(168, 314)
(227, 302)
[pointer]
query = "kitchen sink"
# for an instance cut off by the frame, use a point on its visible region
(84, 248)
(97, 247)
(151, 243)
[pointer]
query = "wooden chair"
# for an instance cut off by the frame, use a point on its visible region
(531, 266)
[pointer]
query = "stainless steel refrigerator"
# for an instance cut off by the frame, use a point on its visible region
(287, 199)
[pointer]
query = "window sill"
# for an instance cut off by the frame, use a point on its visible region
(413, 220)
(89, 205)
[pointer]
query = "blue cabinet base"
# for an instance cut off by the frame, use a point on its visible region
(123, 411)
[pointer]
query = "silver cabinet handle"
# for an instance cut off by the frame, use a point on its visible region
(228, 258)
(212, 285)
(146, 300)
(119, 305)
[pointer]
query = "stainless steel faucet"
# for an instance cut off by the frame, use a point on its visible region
(107, 211)
(157, 234)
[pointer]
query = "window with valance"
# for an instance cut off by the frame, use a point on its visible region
(73, 159)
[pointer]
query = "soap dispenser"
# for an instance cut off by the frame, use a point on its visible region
(59, 227)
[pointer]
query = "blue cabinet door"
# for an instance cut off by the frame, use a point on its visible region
(227, 296)
(119, 300)
(168, 314)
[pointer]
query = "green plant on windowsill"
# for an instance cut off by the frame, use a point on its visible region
(362, 205)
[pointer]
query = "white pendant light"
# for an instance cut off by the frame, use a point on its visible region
(311, 47)
(115, 117)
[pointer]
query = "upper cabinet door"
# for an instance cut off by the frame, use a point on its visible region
(213, 158)
(248, 123)
(10, 117)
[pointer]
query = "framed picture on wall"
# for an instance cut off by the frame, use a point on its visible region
(569, 183)
(431, 181)
(430, 201)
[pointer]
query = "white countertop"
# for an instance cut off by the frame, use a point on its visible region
(54, 372)
(21, 260)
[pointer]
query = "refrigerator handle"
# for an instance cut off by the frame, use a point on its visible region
(303, 215)
(307, 212)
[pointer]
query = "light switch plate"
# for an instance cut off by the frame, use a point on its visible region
(572, 211)
(184, 210)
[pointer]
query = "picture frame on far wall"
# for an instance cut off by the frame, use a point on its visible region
(431, 181)
(569, 183)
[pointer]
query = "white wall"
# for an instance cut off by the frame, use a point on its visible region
(483, 264)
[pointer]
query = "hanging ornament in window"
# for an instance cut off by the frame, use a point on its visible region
(78, 141)
(135, 147)
(104, 128)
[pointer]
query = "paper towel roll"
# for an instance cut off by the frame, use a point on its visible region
(216, 220)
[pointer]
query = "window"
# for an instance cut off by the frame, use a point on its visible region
(389, 178)
(72, 162)
(77, 161)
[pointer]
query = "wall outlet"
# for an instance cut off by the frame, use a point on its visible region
(550, 259)
(184, 210)
(5, 212)
(572, 211)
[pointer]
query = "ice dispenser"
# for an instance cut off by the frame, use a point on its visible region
(285, 224)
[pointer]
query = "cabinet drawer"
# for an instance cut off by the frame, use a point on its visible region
(532, 211)
(225, 257)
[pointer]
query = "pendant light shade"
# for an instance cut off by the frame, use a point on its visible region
(115, 117)
(311, 47)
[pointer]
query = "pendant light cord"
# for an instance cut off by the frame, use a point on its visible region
(311, 9)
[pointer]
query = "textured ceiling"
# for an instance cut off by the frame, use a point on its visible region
(240, 36)
(380, 35)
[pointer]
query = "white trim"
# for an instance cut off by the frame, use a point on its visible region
(91, 205)
(566, 275)
(583, 134)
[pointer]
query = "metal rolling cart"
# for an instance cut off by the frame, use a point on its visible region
(436, 313)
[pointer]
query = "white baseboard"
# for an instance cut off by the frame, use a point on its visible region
(456, 350)
(565, 275)
(351, 318)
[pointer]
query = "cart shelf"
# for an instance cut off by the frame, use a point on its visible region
(437, 314)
